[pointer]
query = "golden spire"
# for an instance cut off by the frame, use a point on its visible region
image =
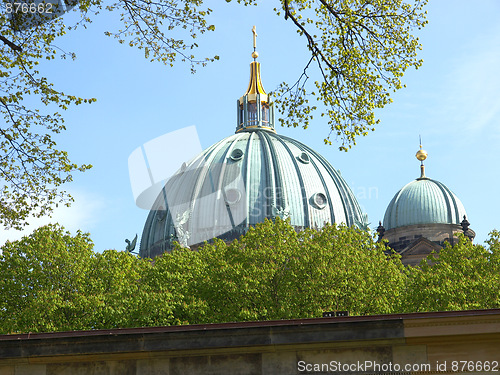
(421, 155)
(255, 110)
(255, 85)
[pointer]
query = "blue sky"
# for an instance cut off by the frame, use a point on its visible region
(453, 101)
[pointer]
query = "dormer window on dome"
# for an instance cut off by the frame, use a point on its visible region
(255, 111)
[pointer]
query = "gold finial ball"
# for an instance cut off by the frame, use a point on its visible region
(421, 155)
(255, 54)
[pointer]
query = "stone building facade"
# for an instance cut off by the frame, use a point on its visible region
(418, 343)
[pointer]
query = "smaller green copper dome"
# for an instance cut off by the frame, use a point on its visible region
(423, 201)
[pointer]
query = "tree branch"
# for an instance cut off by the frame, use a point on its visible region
(316, 51)
(15, 47)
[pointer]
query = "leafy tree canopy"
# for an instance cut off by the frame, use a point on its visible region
(53, 281)
(462, 277)
(274, 272)
(359, 52)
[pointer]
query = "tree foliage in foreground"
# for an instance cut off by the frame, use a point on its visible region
(273, 272)
(53, 281)
(32, 168)
(359, 50)
(462, 277)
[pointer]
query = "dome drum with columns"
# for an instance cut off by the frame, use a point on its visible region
(245, 178)
(422, 217)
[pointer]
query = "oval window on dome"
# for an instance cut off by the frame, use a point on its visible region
(319, 200)
(233, 196)
(236, 154)
(304, 158)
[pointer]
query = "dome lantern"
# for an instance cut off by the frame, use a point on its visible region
(255, 110)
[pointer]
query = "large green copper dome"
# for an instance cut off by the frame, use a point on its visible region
(423, 201)
(240, 181)
(245, 178)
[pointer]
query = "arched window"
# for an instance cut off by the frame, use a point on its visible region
(241, 116)
(265, 114)
(252, 114)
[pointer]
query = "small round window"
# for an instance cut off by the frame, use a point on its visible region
(236, 154)
(304, 158)
(319, 200)
(233, 196)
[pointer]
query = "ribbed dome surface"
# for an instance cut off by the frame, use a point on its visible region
(423, 201)
(240, 181)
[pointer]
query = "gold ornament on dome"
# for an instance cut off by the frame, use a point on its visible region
(421, 154)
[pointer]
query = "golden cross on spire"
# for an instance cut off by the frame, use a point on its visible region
(255, 54)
